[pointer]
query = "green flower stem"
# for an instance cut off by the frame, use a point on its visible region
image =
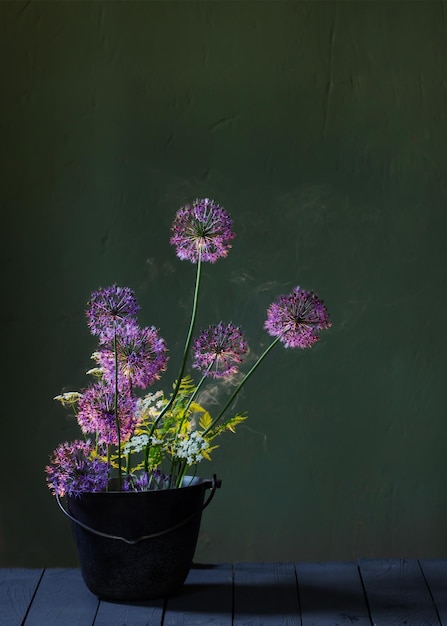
(185, 411)
(194, 394)
(146, 459)
(241, 384)
(109, 455)
(181, 474)
(188, 404)
(186, 349)
(183, 363)
(118, 430)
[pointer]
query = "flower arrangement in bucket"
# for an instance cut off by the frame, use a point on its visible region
(147, 443)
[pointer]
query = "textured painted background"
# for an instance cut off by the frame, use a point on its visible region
(322, 128)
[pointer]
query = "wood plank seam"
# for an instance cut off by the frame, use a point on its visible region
(96, 613)
(398, 592)
(25, 617)
(365, 595)
(232, 594)
(32, 597)
(298, 594)
(163, 611)
(430, 591)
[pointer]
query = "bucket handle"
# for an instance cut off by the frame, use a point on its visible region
(214, 484)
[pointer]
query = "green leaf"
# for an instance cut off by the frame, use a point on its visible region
(205, 420)
(229, 424)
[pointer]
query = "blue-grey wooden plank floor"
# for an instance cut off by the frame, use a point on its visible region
(369, 591)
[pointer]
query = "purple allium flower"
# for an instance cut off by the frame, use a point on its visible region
(110, 308)
(136, 483)
(145, 482)
(73, 470)
(296, 318)
(204, 228)
(219, 349)
(141, 354)
(96, 413)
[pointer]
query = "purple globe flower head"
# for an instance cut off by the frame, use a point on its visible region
(109, 308)
(73, 469)
(105, 359)
(296, 318)
(219, 350)
(141, 354)
(96, 413)
(203, 229)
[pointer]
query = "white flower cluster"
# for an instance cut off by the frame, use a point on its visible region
(156, 442)
(136, 444)
(191, 448)
(151, 404)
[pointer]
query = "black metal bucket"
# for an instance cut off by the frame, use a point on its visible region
(138, 545)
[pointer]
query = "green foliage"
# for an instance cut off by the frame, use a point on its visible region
(229, 424)
(173, 435)
(181, 438)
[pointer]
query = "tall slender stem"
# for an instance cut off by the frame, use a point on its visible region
(196, 391)
(185, 410)
(108, 463)
(186, 348)
(117, 421)
(241, 384)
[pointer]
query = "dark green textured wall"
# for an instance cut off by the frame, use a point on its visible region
(322, 128)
